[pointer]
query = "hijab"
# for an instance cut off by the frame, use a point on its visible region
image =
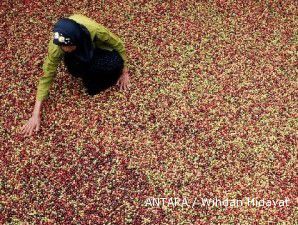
(69, 32)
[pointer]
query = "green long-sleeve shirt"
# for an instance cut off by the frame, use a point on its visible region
(102, 38)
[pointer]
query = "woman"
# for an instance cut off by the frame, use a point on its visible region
(90, 51)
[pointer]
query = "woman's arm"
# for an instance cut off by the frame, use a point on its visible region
(50, 65)
(33, 123)
(101, 35)
(37, 108)
(106, 36)
(123, 81)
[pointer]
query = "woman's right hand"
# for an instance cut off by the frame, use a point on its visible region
(33, 124)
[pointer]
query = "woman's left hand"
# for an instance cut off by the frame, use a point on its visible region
(123, 80)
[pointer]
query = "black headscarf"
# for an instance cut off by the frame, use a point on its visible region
(69, 32)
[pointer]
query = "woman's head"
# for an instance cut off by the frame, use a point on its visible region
(66, 32)
(73, 37)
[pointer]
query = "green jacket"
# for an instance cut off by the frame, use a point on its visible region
(104, 40)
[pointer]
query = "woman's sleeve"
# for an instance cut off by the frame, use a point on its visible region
(49, 67)
(113, 40)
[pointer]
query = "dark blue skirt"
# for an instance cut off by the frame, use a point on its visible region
(101, 73)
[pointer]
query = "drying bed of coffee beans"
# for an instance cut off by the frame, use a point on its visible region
(211, 114)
